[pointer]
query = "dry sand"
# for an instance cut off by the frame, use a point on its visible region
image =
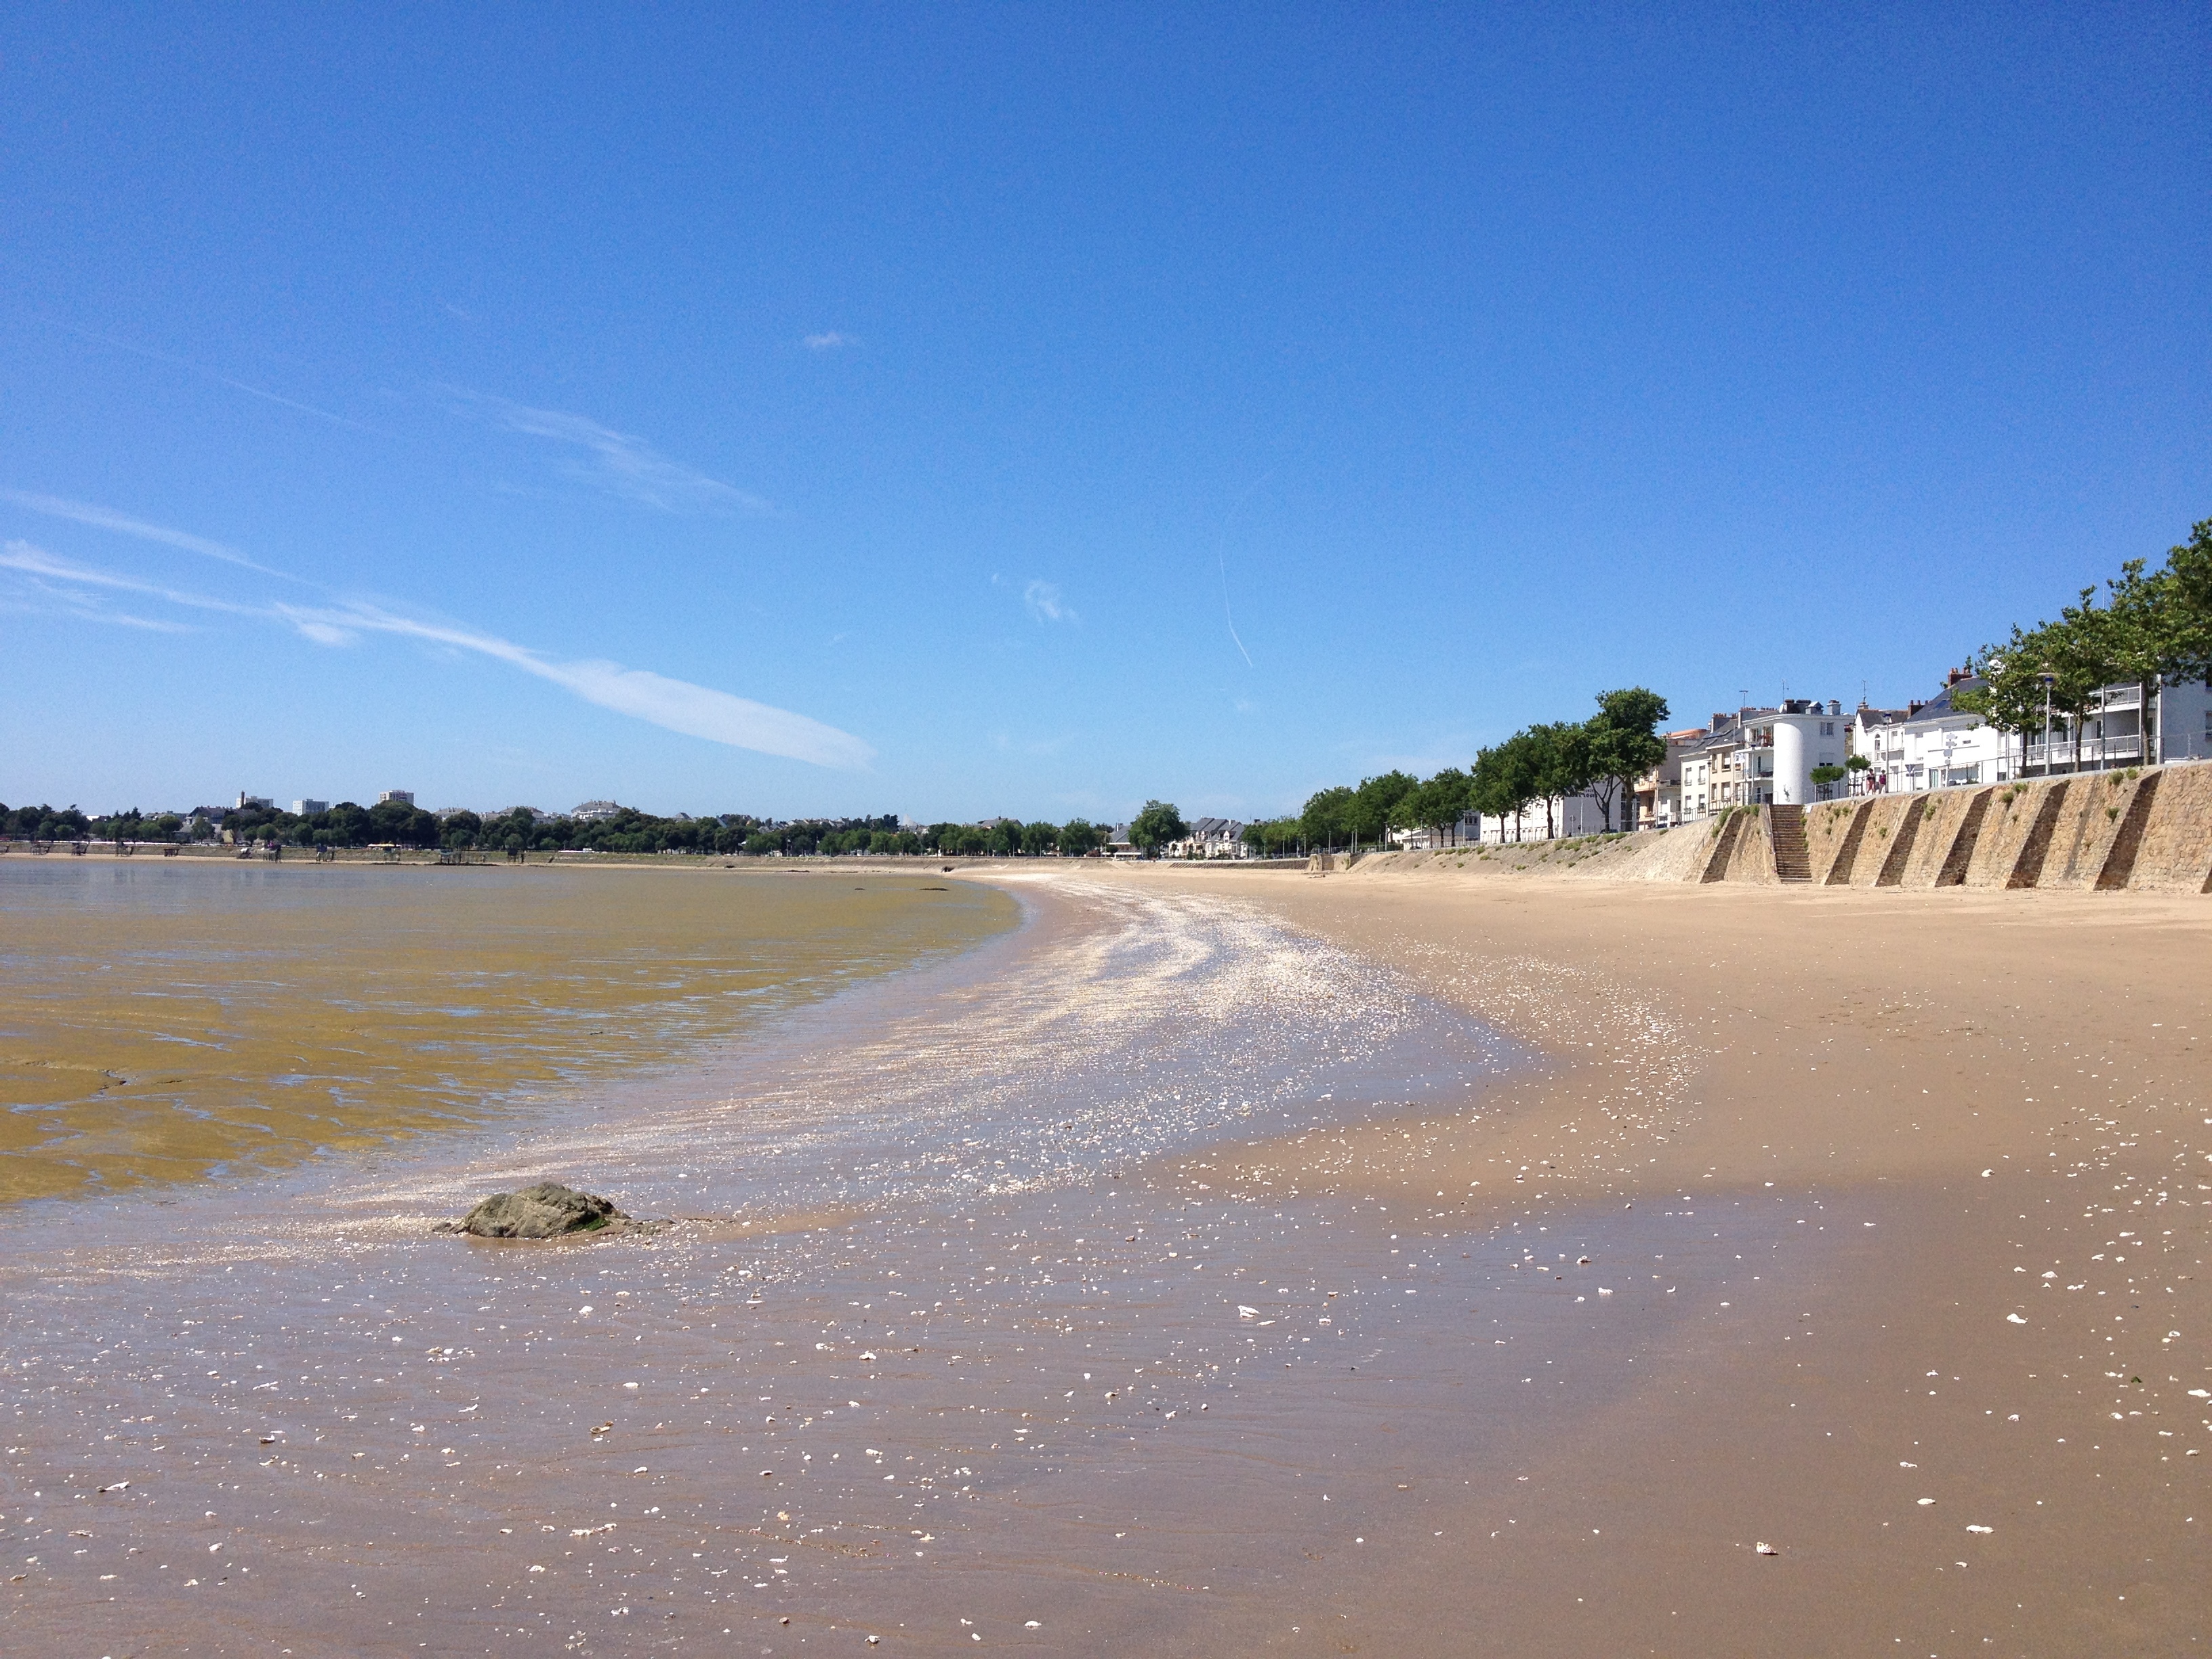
(1986, 1114)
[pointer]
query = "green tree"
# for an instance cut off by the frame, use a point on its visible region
(1155, 827)
(1436, 805)
(2010, 693)
(2074, 656)
(1327, 820)
(1505, 780)
(1040, 838)
(2188, 598)
(1624, 745)
(1368, 816)
(1079, 836)
(1274, 838)
(1560, 756)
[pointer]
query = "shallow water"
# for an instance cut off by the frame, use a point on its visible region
(953, 1332)
(163, 1021)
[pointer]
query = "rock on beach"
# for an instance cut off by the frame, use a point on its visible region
(549, 1210)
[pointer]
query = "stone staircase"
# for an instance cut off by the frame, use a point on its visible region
(1792, 862)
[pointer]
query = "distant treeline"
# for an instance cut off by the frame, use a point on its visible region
(1604, 755)
(397, 823)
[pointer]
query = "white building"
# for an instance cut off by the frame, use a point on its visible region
(594, 812)
(1658, 794)
(251, 802)
(2111, 731)
(306, 808)
(404, 797)
(1930, 745)
(1761, 758)
(1938, 745)
(1782, 748)
(1211, 838)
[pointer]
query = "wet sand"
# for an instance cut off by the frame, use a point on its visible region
(1941, 1162)
(1222, 1263)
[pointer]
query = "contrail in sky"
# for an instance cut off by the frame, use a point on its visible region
(1221, 561)
(191, 367)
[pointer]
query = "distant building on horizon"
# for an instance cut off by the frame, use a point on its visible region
(404, 797)
(248, 802)
(305, 808)
(593, 811)
(1211, 838)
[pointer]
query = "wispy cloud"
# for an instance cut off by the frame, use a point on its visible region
(191, 367)
(618, 462)
(696, 711)
(36, 563)
(1046, 604)
(830, 340)
(102, 518)
(45, 592)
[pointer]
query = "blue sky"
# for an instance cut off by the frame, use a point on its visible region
(1033, 409)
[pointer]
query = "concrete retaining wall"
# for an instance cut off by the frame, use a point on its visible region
(1940, 821)
(2005, 828)
(1877, 841)
(2087, 824)
(2175, 854)
(1828, 835)
(1753, 858)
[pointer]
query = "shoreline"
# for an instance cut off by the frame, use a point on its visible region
(1554, 1351)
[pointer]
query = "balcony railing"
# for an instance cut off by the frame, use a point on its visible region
(2097, 754)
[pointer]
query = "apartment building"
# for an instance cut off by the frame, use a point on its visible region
(1759, 757)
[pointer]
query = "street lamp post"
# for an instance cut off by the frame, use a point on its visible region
(2048, 678)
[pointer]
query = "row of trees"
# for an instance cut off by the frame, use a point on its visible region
(1010, 838)
(397, 823)
(1604, 755)
(47, 823)
(2151, 626)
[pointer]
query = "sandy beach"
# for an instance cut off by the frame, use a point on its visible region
(1218, 1262)
(1968, 1135)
